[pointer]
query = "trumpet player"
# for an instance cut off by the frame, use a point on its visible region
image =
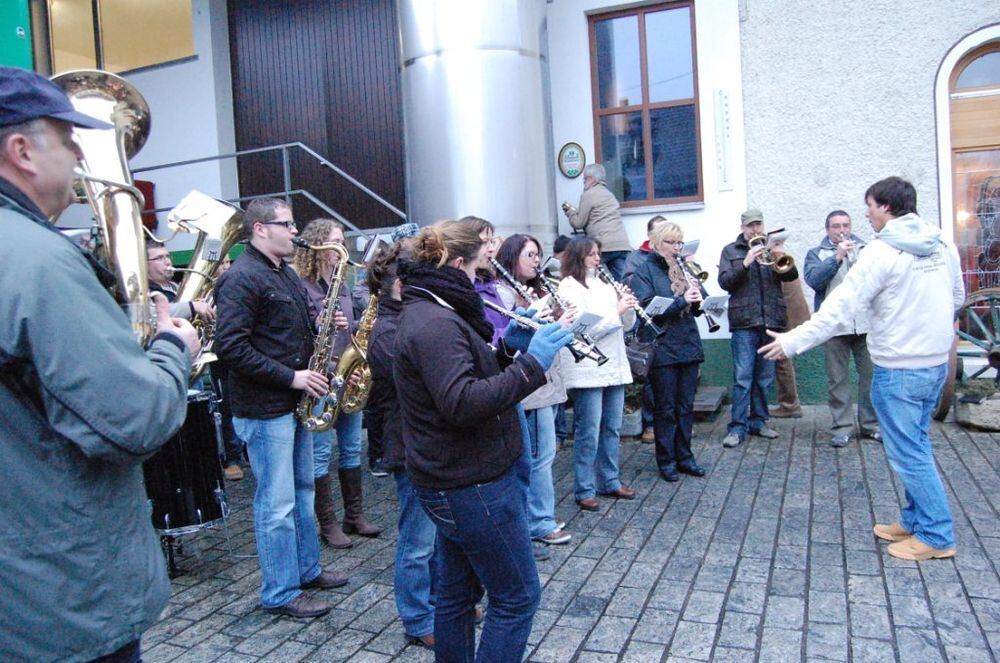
(265, 338)
(826, 268)
(756, 304)
(599, 216)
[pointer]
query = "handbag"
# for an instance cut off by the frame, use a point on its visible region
(640, 356)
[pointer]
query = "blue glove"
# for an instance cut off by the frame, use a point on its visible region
(547, 341)
(516, 337)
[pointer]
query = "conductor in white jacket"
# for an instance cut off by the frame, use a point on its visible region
(910, 281)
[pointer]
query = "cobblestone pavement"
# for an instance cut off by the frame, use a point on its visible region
(770, 557)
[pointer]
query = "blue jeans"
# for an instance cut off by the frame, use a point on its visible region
(281, 457)
(348, 428)
(904, 400)
(413, 579)
(482, 537)
(597, 418)
(541, 493)
(560, 417)
(674, 387)
(752, 377)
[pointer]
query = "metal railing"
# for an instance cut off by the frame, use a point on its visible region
(286, 171)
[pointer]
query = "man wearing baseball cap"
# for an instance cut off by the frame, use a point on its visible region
(81, 406)
(756, 303)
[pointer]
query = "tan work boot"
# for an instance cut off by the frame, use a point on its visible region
(893, 532)
(326, 515)
(916, 550)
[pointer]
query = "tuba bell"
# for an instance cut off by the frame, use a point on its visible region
(106, 180)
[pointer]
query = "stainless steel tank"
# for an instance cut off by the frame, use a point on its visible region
(476, 115)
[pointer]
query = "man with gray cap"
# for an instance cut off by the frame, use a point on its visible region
(756, 303)
(81, 406)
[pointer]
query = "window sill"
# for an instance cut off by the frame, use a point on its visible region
(669, 207)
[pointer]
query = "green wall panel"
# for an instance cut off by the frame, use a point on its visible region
(810, 372)
(15, 34)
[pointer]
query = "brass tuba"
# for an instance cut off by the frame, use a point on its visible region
(326, 337)
(218, 226)
(766, 259)
(353, 397)
(107, 182)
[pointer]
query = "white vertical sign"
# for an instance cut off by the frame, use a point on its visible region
(723, 157)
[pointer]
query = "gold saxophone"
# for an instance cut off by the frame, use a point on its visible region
(326, 337)
(353, 397)
(106, 180)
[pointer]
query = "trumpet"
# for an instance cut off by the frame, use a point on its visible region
(780, 265)
(578, 348)
(602, 270)
(697, 276)
(852, 255)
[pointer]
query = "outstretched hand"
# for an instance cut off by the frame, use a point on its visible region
(773, 350)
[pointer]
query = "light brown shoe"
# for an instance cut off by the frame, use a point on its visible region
(893, 532)
(648, 435)
(233, 472)
(916, 550)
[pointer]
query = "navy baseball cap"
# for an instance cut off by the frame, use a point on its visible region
(25, 96)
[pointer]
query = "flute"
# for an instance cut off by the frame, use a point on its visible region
(620, 289)
(579, 349)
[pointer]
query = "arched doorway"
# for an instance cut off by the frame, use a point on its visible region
(974, 104)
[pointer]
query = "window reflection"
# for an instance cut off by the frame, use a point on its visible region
(624, 155)
(618, 80)
(668, 53)
(675, 152)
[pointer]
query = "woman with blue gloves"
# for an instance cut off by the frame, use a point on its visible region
(457, 407)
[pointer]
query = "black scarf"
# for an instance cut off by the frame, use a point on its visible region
(450, 284)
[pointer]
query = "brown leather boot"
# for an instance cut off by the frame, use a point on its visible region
(326, 515)
(354, 516)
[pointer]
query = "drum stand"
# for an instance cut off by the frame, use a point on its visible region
(170, 538)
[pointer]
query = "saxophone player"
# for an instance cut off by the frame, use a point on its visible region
(82, 405)
(316, 269)
(265, 338)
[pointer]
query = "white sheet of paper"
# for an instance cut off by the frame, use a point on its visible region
(658, 305)
(716, 305)
(584, 322)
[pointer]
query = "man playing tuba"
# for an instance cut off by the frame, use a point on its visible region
(82, 405)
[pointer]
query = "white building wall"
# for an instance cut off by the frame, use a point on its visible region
(838, 95)
(717, 36)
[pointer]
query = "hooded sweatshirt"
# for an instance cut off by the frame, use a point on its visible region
(910, 281)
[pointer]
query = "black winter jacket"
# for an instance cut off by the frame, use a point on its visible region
(263, 335)
(681, 342)
(382, 411)
(458, 409)
(755, 298)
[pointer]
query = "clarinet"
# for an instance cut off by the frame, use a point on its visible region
(564, 305)
(579, 349)
(620, 289)
(519, 287)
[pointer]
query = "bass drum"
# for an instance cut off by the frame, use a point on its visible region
(184, 480)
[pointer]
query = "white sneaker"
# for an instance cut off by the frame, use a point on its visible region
(731, 440)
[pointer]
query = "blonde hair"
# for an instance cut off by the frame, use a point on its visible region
(665, 230)
(308, 264)
(446, 240)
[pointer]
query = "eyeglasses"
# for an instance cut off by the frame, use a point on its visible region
(673, 242)
(530, 255)
(288, 224)
(165, 256)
